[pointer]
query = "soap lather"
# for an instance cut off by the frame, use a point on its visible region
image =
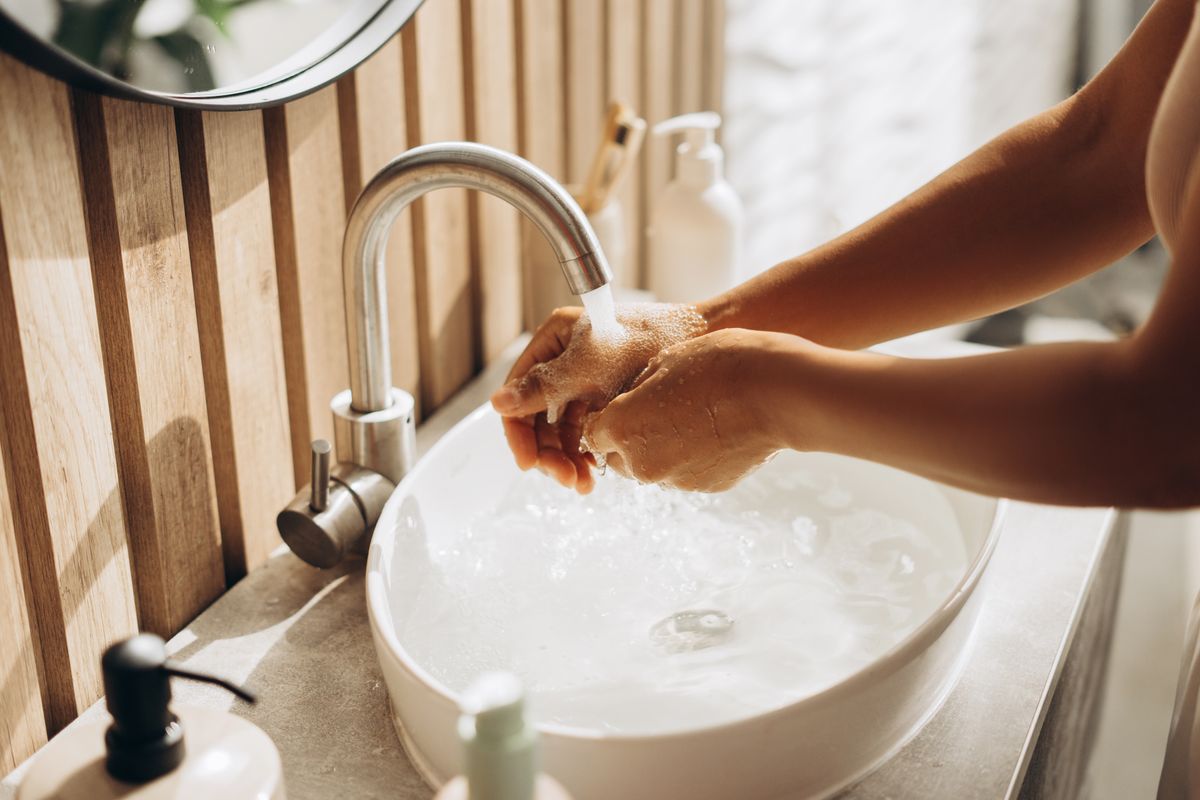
(147, 750)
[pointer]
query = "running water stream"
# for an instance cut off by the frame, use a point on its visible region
(600, 309)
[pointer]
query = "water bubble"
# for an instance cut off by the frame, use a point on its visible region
(637, 609)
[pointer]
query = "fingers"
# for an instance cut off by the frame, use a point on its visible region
(552, 448)
(550, 456)
(521, 394)
(599, 430)
(570, 433)
(520, 397)
(521, 440)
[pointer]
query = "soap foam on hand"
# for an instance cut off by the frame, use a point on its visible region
(601, 362)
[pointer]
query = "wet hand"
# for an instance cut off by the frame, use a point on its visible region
(702, 415)
(567, 370)
(535, 442)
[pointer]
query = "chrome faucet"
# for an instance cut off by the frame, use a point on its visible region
(374, 434)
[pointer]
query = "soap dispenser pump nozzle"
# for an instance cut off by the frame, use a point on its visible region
(699, 160)
(145, 739)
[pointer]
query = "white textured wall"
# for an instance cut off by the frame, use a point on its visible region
(837, 108)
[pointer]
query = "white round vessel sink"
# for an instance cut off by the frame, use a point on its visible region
(779, 640)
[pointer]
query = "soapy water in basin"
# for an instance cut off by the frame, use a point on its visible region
(638, 609)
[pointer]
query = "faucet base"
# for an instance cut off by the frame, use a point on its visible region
(383, 441)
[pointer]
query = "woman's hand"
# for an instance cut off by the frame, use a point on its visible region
(568, 370)
(703, 415)
(535, 442)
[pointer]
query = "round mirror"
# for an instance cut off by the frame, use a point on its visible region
(200, 53)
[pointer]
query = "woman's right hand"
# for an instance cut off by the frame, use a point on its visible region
(566, 372)
(535, 442)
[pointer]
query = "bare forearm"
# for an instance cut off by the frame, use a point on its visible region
(1031, 211)
(1077, 424)
(1047, 202)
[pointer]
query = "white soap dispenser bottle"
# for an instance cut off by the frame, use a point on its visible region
(149, 751)
(499, 746)
(696, 223)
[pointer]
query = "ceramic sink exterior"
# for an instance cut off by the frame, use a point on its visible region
(810, 748)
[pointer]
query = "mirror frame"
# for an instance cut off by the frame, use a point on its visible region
(20, 42)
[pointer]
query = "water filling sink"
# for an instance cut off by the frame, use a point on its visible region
(778, 640)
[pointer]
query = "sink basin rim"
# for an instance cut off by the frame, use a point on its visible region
(915, 643)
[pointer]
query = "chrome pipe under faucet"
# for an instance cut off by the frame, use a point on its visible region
(374, 433)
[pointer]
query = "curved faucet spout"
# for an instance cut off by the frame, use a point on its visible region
(412, 174)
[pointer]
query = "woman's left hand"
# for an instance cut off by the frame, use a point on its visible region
(702, 416)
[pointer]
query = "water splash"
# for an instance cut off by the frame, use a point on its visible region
(640, 609)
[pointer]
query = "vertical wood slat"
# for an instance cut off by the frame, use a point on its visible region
(489, 41)
(689, 72)
(540, 76)
(586, 96)
(228, 211)
(624, 60)
(541, 112)
(374, 131)
(713, 56)
(658, 94)
(68, 511)
(22, 725)
(147, 314)
(308, 212)
(433, 71)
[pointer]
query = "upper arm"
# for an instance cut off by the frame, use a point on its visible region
(1116, 108)
(1160, 364)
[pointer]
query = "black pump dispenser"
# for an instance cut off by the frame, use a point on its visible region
(145, 739)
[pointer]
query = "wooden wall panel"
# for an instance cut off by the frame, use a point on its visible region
(308, 210)
(171, 312)
(689, 74)
(658, 95)
(374, 131)
(540, 76)
(489, 42)
(713, 56)
(433, 68)
(228, 209)
(625, 85)
(147, 314)
(22, 726)
(586, 95)
(68, 511)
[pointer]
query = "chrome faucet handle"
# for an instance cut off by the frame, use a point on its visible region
(319, 487)
(336, 512)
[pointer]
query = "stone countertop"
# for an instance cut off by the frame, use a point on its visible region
(299, 638)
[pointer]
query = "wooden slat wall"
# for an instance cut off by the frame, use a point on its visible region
(433, 66)
(624, 61)
(308, 210)
(227, 203)
(22, 726)
(375, 130)
(171, 317)
(143, 280)
(489, 39)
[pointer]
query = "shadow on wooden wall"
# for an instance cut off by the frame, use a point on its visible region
(171, 318)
